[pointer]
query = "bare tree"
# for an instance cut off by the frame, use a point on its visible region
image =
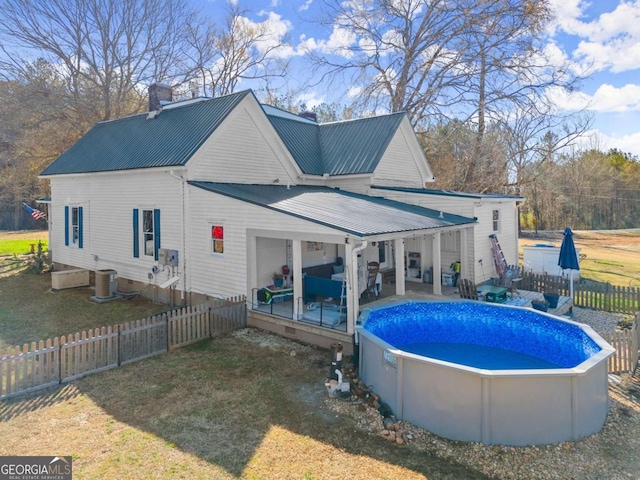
(237, 51)
(111, 47)
(506, 69)
(532, 137)
(474, 61)
(401, 55)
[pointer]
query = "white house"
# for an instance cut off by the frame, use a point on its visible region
(208, 197)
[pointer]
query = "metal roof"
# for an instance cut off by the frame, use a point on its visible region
(352, 213)
(450, 193)
(303, 142)
(356, 146)
(337, 148)
(169, 139)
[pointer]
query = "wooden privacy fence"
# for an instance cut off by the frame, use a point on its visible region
(606, 297)
(59, 360)
(626, 342)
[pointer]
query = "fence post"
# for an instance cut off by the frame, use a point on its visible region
(119, 345)
(210, 320)
(60, 363)
(168, 332)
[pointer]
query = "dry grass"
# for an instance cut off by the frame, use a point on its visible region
(611, 256)
(219, 409)
(30, 311)
(224, 408)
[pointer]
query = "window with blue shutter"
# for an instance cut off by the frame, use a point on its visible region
(80, 227)
(66, 225)
(136, 234)
(156, 239)
(73, 226)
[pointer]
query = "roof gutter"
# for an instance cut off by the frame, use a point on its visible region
(163, 169)
(327, 176)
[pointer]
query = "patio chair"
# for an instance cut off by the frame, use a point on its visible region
(510, 278)
(468, 289)
(372, 274)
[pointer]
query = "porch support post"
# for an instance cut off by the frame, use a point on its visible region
(437, 264)
(353, 296)
(399, 261)
(252, 268)
(465, 268)
(296, 252)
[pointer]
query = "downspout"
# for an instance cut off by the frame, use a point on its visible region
(354, 275)
(354, 265)
(355, 297)
(184, 239)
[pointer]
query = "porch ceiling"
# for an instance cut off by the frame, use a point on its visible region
(348, 212)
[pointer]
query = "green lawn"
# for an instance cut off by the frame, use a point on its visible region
(21, 246)
(30, 311)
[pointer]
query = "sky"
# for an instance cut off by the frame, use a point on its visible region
(599, 38)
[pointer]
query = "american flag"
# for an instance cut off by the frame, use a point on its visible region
(35, 213)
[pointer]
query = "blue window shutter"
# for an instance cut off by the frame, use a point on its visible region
(66, 225)
(80, 224)
(136, 239)
(156, 232)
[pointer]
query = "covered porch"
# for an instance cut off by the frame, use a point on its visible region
(280, 321)
(327, 280)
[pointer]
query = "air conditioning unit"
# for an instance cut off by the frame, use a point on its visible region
(106, 283)
(168, 257)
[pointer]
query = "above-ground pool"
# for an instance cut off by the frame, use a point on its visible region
(487, 373)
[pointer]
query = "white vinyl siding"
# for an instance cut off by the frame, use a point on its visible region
(108, 201)
(398, 166)
(244, 149)
(403, 163)
(227, 275)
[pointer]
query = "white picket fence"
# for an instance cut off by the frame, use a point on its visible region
(62, 359)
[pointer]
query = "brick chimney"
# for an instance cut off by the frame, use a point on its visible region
(309, 115)
(159, 92)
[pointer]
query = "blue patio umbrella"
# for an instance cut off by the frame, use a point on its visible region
(568, 258)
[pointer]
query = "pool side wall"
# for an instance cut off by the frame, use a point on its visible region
(515, 408)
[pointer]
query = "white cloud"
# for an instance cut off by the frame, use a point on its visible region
(310, 99)
(353, 92)
(602, 141)
(272, 31)
(610, 41)
(606, 98)
(339, 43)
(611, 99)
(305, 6)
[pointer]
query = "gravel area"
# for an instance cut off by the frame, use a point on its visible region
(601, 322)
